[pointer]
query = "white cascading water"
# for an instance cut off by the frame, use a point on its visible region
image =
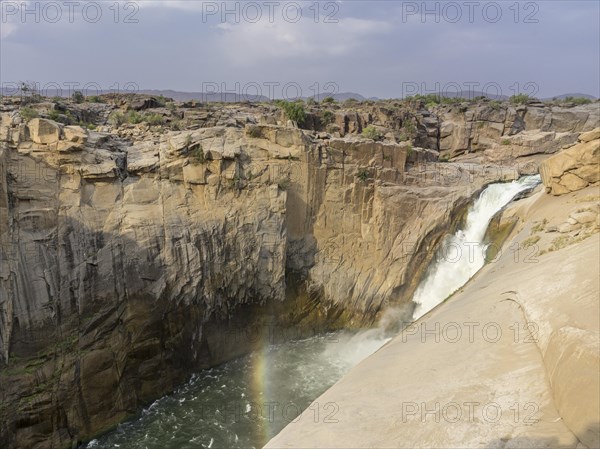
(463, 254)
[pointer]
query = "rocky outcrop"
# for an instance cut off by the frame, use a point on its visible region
(574, 168)
(490, 124)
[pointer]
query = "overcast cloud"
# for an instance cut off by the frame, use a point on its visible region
(376, 48)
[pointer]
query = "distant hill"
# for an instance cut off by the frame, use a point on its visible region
(228, 97)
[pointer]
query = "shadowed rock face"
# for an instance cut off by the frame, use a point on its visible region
(132, 257)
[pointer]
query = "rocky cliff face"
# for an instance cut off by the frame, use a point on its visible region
(135, 250)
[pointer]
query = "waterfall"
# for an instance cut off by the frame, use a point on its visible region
(463, 253)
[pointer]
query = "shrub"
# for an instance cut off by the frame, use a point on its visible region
(28, 113)
(134, 117)
(154, 119)
(370, 132)
(505, 142)
(327, 117)
(409, 129)
(95, 99)
(363, 175)
(294, 111)
(57, 117)
(409, 150)
(519, 99)
(197, 154)
(328, 100)
(529, 242)
(78, 97)
(578, 100)
(116, 119)
(161, 100)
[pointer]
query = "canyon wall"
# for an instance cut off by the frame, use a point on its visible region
(133, 250)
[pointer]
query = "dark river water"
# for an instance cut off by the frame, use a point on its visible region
(247, 401)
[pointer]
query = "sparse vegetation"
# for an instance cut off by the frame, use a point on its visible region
(29, 92)
(154, 119)
(409, 129)
(95, 99)
(328, 100)
(28, 113)
(363, 175)
(577, 100)
(134, 117)
(539, 227)
(78, 97)
(530, 241)
(116, 119)
(432, 100)
(370, 132)
(327, 117)
(197, 154)
(560, 242)
(294, 110)
(519, 99)
(505, 142)
(161, 100)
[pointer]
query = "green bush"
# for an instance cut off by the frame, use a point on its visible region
(409, 128)
(28, 113)
(57, 116)
(197, 154)
(578, 100)
(370, 132)
(116, 119)
(519, 99)
(134, 117)
(95, 99)
(327, 117)
(505, 142)
(294, 111)
(154, 119)
(363, 175)
(78, 97)
(328, 100)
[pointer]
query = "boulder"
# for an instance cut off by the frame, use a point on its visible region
(75, 134)
(572, 169)
(590, 135)
(44, 131)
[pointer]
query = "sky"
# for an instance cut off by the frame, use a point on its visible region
(386, 49)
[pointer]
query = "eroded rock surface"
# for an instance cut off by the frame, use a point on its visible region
(138, 249)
